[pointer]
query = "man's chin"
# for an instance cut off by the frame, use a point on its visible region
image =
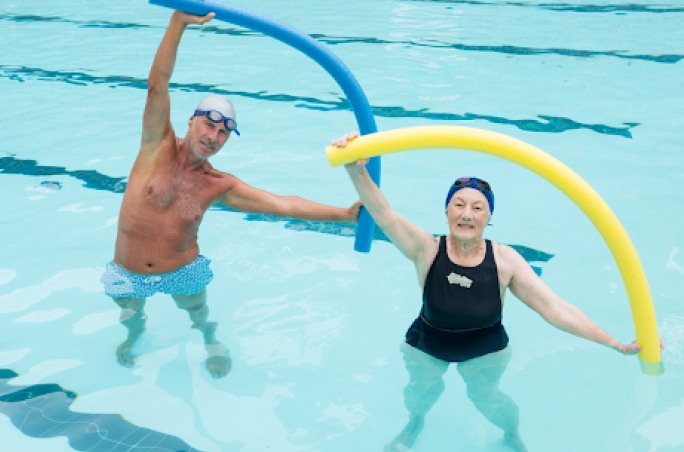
(201, 155)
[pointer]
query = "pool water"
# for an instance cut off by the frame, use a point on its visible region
(314, 327)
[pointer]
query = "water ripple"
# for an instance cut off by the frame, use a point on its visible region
(545, 123)
(338, 40)
(567, 7)
(43, 411)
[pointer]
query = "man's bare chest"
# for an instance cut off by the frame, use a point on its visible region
(186, 194)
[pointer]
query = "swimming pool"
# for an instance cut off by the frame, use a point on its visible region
(314, 327)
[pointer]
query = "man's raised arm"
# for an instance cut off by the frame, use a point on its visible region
(156, 119)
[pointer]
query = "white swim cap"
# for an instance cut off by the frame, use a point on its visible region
(218, 103)
(218, 108)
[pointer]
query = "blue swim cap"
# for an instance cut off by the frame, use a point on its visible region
(472, 182)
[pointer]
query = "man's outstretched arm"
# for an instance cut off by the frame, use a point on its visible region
(246, 198)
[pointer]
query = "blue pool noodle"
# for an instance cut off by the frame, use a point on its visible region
(317, 52)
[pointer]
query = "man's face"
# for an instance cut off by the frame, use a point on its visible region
(206, 137)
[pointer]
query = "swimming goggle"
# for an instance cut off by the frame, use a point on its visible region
(216, 117)
(472, 182)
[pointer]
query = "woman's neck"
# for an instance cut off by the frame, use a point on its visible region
(465, 251)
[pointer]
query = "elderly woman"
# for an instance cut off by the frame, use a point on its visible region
(464, 278)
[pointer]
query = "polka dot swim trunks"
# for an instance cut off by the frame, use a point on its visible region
(187, 280)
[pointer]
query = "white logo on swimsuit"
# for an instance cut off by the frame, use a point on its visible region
(460, 280)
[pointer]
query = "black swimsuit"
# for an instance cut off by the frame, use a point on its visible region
(462, 308)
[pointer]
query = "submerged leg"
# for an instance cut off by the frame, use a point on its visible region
(424, 388)
(482, 376)
(133, 318)
(218, 359)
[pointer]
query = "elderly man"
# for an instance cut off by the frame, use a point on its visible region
(171, 186)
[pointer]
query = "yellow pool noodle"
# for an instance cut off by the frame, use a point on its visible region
(554, 171)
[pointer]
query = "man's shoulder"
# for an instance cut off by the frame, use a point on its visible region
(219, 174)
(223, 181)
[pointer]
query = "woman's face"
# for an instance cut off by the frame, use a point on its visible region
(467, 214)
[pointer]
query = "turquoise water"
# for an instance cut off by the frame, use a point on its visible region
(315, 327)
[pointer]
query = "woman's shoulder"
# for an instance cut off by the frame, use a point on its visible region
(506, 252)
(506, 257)
(500, 247)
